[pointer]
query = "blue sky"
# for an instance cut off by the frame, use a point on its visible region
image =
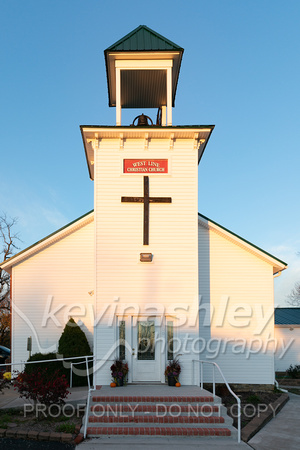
(240, 71)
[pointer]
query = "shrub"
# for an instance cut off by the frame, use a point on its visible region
(42, 387)
(73, 341)
(52, 367)
(293, 371)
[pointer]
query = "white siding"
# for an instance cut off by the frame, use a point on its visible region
(288, 347)
(172, 277)
(63, 271)
(226, 270)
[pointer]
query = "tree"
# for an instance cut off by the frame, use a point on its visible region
(8, 239)
(73, 341)
(294, 297)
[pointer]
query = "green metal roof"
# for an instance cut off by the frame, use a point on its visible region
(143, 38)
(287, 316)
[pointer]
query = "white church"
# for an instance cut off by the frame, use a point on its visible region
(144, 266)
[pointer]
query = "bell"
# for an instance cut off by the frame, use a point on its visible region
(142, 121)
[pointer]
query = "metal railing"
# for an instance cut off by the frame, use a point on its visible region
(279, 388)
(90, 358)
(87, 412)
(214, 388)
(22, 363)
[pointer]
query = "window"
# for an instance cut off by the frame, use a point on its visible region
(122, 340)
(170, 338)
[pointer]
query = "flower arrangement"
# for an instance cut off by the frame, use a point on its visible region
(119, 371)
(5, 381)
(173, 369)
(7, 376)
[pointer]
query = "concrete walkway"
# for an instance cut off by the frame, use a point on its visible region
(11, 399)
(283, 431)
(163, 443)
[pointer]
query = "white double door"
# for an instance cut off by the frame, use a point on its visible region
(146, 349)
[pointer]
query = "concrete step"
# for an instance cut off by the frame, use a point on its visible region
(156, 419)
(151, 399)
(157, 408)
(158, 431)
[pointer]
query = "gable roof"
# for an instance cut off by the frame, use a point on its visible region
(287, 316)
(48, 240)
(143, 38)
(278, 265)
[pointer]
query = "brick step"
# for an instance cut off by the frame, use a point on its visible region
(158, 431)
(151, 399)
(156, 419)
(193, 409)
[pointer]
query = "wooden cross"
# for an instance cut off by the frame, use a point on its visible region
(146, 200)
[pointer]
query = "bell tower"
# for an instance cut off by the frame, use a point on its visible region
(142, 72)
(146, 221)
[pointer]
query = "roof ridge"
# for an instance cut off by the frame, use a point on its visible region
(136, 31)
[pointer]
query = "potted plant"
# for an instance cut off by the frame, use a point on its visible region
(119, 371)
(172, 371)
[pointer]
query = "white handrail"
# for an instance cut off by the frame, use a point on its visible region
(87, 412)
(46, 360)
(279, 388)
(214, 388)
(86, 357)
(87, 370)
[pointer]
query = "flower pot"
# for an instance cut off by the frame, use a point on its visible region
(171, 380)
(120, 381)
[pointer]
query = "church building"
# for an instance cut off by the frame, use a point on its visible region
(145, 275)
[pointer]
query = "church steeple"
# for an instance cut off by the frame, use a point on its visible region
(142, 72)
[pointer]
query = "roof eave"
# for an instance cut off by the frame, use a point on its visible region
(48, 240)
(277, 264)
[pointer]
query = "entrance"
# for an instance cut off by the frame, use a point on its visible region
(146, 350)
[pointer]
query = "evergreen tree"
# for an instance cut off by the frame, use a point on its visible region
(73, 341)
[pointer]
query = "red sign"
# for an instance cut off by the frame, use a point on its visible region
(145, 166)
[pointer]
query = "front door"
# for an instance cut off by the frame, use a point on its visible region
(146, 350)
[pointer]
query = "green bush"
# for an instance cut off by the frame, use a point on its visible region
(73, 343)
(40, 357)
(293, 371)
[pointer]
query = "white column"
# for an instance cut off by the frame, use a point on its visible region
(164, 116)
(118, 96)
(169, 96)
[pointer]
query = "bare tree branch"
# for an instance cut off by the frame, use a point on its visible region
(8, 246)
(293, 298)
